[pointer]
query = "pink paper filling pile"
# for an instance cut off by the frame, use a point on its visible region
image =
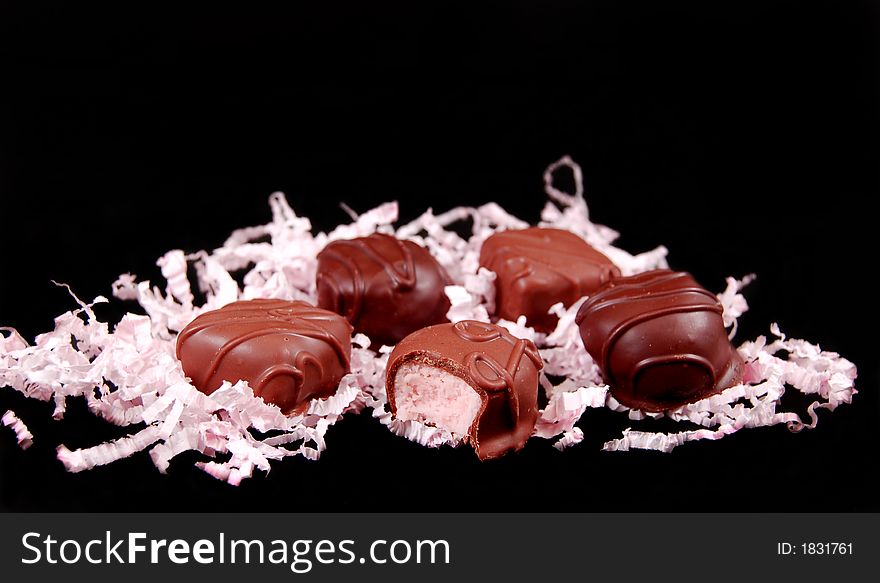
(130, 376)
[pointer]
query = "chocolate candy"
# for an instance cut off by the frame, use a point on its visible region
(659, 340)
(386, 288)
(475, 379)
(539, 267)
(288, 352)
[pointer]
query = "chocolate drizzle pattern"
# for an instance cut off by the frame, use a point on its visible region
(502, 376)
(668, 324)
(554, 250)
(400, 278)
(637, 284)
(385, 287)
(538, 267)
(302, 349)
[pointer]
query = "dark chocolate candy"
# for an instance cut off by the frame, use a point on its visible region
(386, 288)
(659, 340)
(288, 352)
(500, 368)
(539, 267)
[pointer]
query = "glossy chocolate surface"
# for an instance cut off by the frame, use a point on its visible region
(538, 267)
(659, 340)
(501, 368)
(288, 352)
(386, 288)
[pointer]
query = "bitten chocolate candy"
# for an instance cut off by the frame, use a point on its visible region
(659, 340)
(288, 352)
(474, 379)
(386, 288)
(539, 267)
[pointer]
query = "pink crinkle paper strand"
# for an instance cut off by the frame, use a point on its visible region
(24, 437)
(129, 375)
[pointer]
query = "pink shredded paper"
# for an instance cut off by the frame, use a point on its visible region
(22, 434)
(129, 374)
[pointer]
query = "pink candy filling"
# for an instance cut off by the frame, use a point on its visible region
(430, 395)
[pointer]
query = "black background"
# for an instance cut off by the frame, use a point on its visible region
(743, 136)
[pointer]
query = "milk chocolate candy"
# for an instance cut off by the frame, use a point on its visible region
(386, 288)
(472, 378)
(539, 267)
(288, 352)
(659, 340)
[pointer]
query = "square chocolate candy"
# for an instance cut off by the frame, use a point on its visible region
(539, 267)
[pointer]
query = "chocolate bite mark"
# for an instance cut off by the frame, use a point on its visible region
(473, 352)
(434, 396)
(288, 352)
(659, 340)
